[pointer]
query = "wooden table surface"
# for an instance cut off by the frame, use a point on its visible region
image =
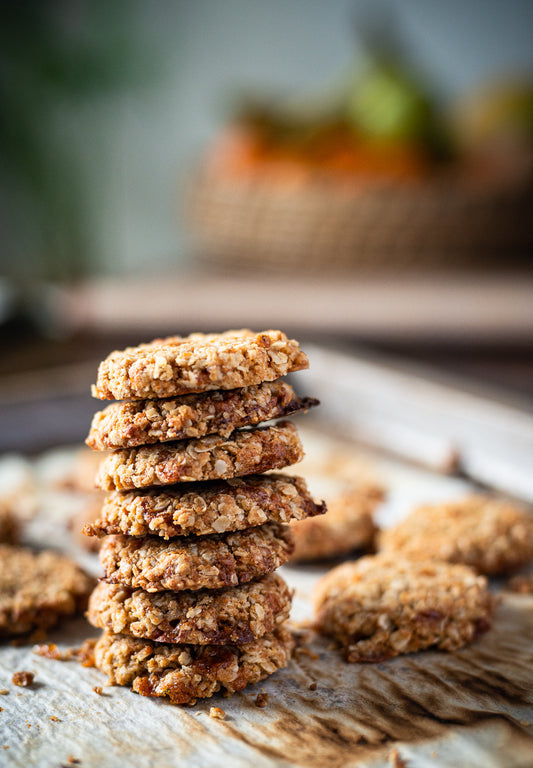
(476, 327)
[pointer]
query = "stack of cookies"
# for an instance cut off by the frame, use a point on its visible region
(190, 603)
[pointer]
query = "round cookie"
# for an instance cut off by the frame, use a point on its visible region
(204, 508)
(347, 525)
(37, 589)
(180, 365)
(185, 673)
(207, 562)
(207, 458)
(491, 535)
(144, 422)
(383, 605)
(235, 615)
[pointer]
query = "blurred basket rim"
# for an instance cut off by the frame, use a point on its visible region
(319, 222)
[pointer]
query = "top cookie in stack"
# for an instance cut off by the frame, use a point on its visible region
(200, 362)
(191, 517)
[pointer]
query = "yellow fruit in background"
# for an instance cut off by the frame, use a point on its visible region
(497, 114)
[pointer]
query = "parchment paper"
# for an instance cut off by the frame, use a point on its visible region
(470, 708)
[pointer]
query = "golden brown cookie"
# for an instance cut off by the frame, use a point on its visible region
(180, 365)
(207, 458)
(204, 508)
(235, 615)
(347, 525)
(207, 562)
(185, 673)
(144, 422)
(384, 605)
(38, 589)
(492, 535)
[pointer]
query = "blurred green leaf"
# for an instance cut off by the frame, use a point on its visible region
(55, 54)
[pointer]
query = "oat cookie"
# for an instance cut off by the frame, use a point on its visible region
(492, 535)
(204, 508)
(207, 458)
(36, 590)
(235, 615)
(180, 365)
(208, 562)
(384, 605)
(186, 673)
(347, 525)
(144, 422)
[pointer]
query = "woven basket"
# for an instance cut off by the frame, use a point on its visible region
(323, 223)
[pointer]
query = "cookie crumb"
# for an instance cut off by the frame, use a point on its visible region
(395, 759)
(312, 687)
(5, 746)
(217, 713)
(98, 689)
(71, 760)
(302, 650)
(49, 651)
(85, 653)
(23, 678)
(3, 691)
(55, 719)
(261, 700)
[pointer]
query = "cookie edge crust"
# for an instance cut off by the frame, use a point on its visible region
(139, 512)
(256, 609)
(231, 670)
(227, 568)
(152, 370)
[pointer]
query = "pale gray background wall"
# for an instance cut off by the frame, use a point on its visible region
(136, 148)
